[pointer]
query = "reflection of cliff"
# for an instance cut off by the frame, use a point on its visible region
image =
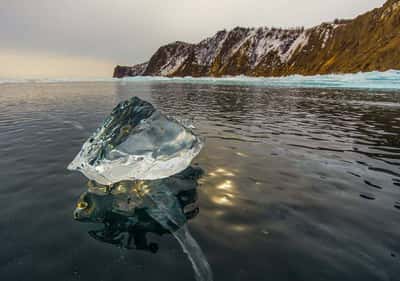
(129, 210)
(368, 42)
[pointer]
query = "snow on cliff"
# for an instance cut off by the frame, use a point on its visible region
(254, 44)
(266, 47)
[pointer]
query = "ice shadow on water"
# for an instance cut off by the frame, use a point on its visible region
(129, 210)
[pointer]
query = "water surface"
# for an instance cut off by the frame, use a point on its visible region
(299, 184)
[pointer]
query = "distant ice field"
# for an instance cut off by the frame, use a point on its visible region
(388, 80)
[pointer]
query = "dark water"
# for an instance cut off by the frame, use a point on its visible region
(298, 184)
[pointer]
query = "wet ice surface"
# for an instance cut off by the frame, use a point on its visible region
(281, 195)
(136, 142)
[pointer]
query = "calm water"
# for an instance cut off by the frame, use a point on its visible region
(299, 184)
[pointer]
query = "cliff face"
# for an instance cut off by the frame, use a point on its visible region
(136, 70)
(369, 42)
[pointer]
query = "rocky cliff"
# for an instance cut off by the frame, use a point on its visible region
(369, 42)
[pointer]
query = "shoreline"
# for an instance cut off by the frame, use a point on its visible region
(375, 80)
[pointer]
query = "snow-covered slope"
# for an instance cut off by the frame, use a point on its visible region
(366, 43)
(168, 59)
(255, 44)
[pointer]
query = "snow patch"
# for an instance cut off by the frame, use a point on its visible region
(207, 50)
(300, 42)
(173, 65)
(176, 54)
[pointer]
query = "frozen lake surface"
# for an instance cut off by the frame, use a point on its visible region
(298, 183)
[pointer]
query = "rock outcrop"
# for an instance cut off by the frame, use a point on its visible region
(122, 71)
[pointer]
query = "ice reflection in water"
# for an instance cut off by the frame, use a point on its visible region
(129, 210)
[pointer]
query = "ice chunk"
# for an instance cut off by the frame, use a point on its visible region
(136, 142)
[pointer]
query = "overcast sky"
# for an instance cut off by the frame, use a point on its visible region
(67, 38)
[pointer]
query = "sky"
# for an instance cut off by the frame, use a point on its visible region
(86, 38)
